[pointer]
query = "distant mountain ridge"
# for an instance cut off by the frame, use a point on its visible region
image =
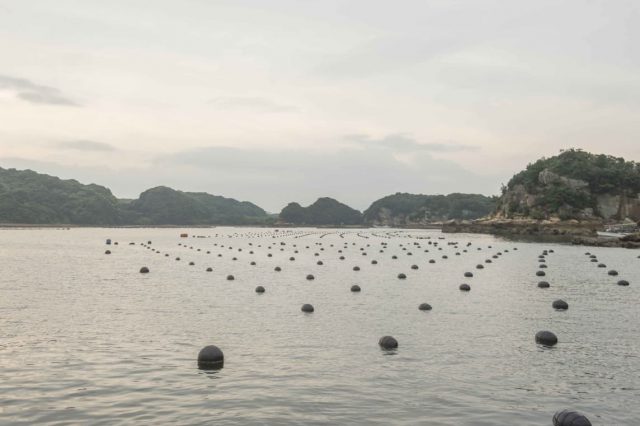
(27, 197)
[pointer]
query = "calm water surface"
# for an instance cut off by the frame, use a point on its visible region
(85, 338)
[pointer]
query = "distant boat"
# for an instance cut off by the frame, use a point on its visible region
(618, 230)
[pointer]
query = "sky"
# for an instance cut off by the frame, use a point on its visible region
(274, 101)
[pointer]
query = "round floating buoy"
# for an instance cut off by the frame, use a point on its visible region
(310, 277)
(108, 242)
(394, 257)
(388, 342)
(319, 263)
(543, 284)
(414, 266)
(252, 263)
(191, 263)
(230, 278)
(259, 289)
(209, 269)
(424, 307)
(356, 268)
(623, 283)
(432, 261)
(355, 288)
(613, 273)
(107, 252)
(177, 258)
(479, 266)
(542, 266)
(292, 258)
(277, 269)
(602, 265)
(465, 287)
(210, 357)
(546, 338)
(341, 257)
(570, 418)
(144, 270)
(401, 276)
(560, 305)
(307, 308)
(468, 274)
(374, 262)
(540, 273)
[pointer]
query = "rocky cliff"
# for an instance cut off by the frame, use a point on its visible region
(574, 185)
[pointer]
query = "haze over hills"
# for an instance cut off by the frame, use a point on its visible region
(572, 185)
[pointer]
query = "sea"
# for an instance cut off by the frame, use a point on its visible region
(86, 338)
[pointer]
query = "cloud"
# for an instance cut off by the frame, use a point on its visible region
(34, 93)
(257, 104)
(384, 55)
(402, 142)
(86, 145)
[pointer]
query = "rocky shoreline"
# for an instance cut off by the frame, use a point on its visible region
(570, 231)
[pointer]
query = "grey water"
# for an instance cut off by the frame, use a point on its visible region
(86, 339)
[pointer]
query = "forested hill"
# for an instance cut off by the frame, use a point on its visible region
(574, 185)
(27, 197)
(325, 211)
(403, 209)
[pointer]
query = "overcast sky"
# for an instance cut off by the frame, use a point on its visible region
(287, 100)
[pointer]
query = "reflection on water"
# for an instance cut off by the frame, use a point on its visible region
(88, 339)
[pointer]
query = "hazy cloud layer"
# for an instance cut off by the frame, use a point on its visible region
(86, 145)
(401, 142)
(249, 103)
(34, 93)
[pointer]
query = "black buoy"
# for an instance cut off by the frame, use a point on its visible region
(144, 270)
(108, 241)
(277, 269)
(388, 342)
(468, 274)
(424, 307)
(479, 266)
(191, 263)
(374, 262)
(546, 338)
(259, 289)
(543, 284)
(209, 269)
(465, 287)
(319, 263)
(540, 273)
(560, 305)
(230, 278)
(414, 266)
(570, 418)
(623, 283)
(210, 357)
(613, 273)
(310, 277)
(355, 288)
(401, 276)
(107, 252)
(307, 308)
(356, 268)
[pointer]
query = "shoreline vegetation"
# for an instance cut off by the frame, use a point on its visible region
(568, 198)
